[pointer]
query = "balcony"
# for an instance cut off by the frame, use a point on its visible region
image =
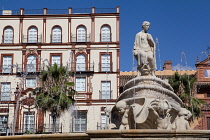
(105, 94)
(6, 69)
(29, 69)
(31, 128)
(106, 37)
(85, 38)
(31, 39)
(105, 67)
(5, 96)
(56, 38)
(7, 39)
(82, 67)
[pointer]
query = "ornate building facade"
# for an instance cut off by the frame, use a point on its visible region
(85, 40)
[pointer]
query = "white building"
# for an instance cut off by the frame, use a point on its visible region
(87, 40)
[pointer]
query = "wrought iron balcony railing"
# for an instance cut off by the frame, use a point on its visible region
(6, 69)
(82, 38)
(82, 67)
(5, 96)
(7, 39)
(56, 38)
(29, 68)
(105, 37)
(31, 39)
(29, 128)
(105, 67)
(105, 94)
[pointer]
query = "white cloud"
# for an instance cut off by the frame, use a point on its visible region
(180, 67)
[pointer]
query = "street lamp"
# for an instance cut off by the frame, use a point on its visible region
(5, 125)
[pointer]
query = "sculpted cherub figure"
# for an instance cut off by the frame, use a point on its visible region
(181, 122)
(123, 109)
(160, 110)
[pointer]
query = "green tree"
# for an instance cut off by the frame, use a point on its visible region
(185, 88)
(56, 92)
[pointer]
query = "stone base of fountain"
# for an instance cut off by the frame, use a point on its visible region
(149, 103)
(148, 134)
(143, 134)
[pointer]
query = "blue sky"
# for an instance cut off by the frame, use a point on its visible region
(181, 26)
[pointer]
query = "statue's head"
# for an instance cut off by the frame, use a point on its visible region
(163, 107)
(121, 106)
(145, 25)
(185, 113)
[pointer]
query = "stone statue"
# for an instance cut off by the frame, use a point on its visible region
(123, 109)
(144, 51)
(160, 110)
(181, 122)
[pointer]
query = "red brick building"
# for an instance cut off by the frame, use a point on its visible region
(203, 92)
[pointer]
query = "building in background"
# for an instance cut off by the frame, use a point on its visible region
(203, 92)
(85, 40)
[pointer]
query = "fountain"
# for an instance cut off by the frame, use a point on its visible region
(148, 108)
(147, 101)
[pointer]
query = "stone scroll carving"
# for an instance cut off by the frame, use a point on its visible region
(147, 101)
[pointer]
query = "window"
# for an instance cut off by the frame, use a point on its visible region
(30, 82)
(28, 122)
(56, 34)
(31, 63)
(80, 84)
(105, 90)
(207, 73)
(7, 64)
(56, 59)
(80, 121)
(80, 64)
(105, 34)
(81, 34)
(8, 35)
(2, 119)
(32, 35)
(51, 124)
(105, 62)
(103, 121)
(5, 91)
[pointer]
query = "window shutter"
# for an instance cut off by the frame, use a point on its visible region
(105, 66)
(105, 34)
(8, 35)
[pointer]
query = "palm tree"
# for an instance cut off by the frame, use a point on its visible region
(184, 87)
(55, 93)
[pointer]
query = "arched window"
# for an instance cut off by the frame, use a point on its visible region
(32, 35)
(81, 34)
(105, 34)
(56, 34)
(80, 64)
(31, 63)
(8, 35)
